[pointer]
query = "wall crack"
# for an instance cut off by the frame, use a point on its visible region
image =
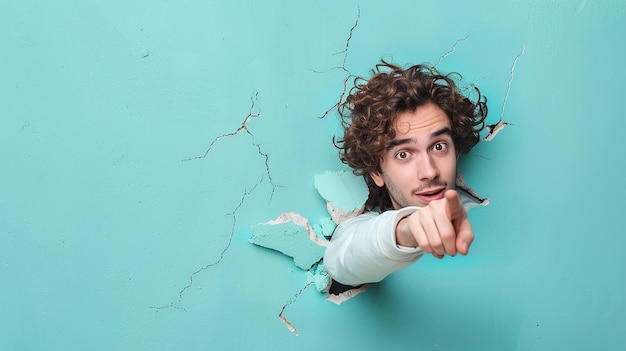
(243, 127)
(233, 214)
(494, 129)
(343, 66)
(450, 51)
(253, 113)
(291, 301)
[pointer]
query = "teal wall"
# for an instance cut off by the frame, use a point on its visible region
(110, 240)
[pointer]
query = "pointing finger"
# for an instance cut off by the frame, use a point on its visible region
(454, 207)
(464, 236)
(462, 225)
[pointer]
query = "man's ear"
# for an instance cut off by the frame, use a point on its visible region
(378, 179)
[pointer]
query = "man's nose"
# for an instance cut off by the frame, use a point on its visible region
(427, 168)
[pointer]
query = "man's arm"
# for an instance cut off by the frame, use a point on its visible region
(364, 250)
(367, 248)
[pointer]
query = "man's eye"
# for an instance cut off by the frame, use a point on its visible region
(440, 147)
(402, 155)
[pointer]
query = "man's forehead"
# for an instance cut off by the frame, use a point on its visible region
(421, 120)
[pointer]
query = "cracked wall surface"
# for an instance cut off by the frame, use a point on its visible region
(141, 144)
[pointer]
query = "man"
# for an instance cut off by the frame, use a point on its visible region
(404, 131)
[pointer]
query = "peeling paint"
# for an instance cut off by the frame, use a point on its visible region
(346, 295)
(494, 129)
(345, 194)
(275, 235)
(292, 235)
(326, 227)
(460, 183)
(318, 276)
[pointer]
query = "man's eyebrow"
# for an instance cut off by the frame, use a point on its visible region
(440, 132)
(435, 134)
(398, 142)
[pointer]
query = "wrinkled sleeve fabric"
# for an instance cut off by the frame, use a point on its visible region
(364, 250)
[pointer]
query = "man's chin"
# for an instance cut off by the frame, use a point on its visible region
(414, 203)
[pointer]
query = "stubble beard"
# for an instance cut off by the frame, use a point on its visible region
(398, 198)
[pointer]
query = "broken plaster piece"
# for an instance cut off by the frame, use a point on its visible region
(291, 234)
(494, 129)
(474, 199)
(346, 295)
(345, 194)
(318, 276)
(326, 227)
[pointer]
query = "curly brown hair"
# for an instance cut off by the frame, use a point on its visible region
(369, 112)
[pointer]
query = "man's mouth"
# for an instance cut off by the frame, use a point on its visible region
(431, 194)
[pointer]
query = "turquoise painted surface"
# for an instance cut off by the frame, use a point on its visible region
(109, 240)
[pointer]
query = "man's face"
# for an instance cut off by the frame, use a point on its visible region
(420, 164)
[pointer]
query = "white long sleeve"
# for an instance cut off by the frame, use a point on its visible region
(364, 250)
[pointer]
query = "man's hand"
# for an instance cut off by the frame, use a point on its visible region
(441, 228)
